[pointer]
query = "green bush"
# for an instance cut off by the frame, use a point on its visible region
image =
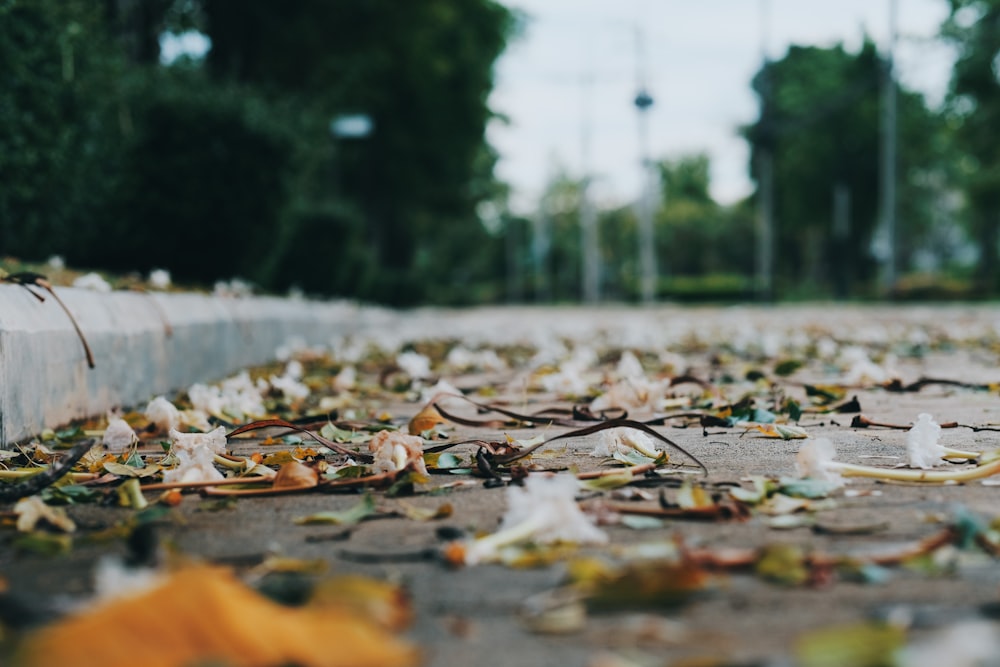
(202, 185)
(58, 124)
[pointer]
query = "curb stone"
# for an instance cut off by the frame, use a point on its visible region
(143, 344)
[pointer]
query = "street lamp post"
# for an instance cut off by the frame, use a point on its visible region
(647, 251)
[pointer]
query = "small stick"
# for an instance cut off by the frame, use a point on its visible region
(47, 477)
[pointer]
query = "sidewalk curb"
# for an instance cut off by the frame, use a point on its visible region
(143, 344)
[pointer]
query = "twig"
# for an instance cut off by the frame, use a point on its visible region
(27, 278)
(47, 477)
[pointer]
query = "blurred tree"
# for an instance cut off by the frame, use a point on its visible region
(696, 236)
(559, 210)
(422, 72)
(974, 103)
(58, 123)
(204, 180)
(820, 120)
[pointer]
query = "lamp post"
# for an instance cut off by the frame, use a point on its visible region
(647, 251)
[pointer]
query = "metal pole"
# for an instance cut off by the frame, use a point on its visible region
(765, 175)
(590, 277)
(647, 241)
(889, 158)
(540, 246)
(765, 225)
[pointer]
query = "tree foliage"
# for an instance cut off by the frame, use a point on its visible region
(820, 121)
(973, 27)
(422, 71)
(696, 235)
(58, 124)
(229, 167)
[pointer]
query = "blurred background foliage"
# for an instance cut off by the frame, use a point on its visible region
(225, 164)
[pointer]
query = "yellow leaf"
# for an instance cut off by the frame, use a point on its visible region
(386, 604)
(205, 615)
(783, 431)
(691, 496)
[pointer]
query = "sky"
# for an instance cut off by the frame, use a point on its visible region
(697, 58)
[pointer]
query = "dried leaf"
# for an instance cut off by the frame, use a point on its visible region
(205, 615)
(426, 420)
(615, 480)
(442, 511)
(641, 584)
(783, 431)
(348, 517)
(32, 510)
(295, 475)
(385, 603)
(123, 470)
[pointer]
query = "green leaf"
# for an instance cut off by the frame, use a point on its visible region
(44, 544)
(442, 460)
(217, 504)
(403, 486)
(615, 480)
(639, 522)
(762, 416)
(348, 517)
(632, 458)
(762, 488)
(130, 494)
(348, 472)
(70, 433)
(69, 494)
(859, 645)
(807, 488)
(784, 564)
(786, 367)
(343, 436)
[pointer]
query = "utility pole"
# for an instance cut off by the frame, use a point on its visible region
(842, 240)
(765, 173)
(889, 159)
(647, 242)
(590, 275)
(540, 246)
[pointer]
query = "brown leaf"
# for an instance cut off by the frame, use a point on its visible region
(295, 475)
(425, 420)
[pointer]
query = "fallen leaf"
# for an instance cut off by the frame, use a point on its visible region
(32, 510)
(442, 511)
(426, 420)
(295, 475)
(385, 603)
(783, 431)
(348, 517)
(692, 496)
(643, 584)
(783, 564)
(860, 645)
(123, 470)
(204, 615)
